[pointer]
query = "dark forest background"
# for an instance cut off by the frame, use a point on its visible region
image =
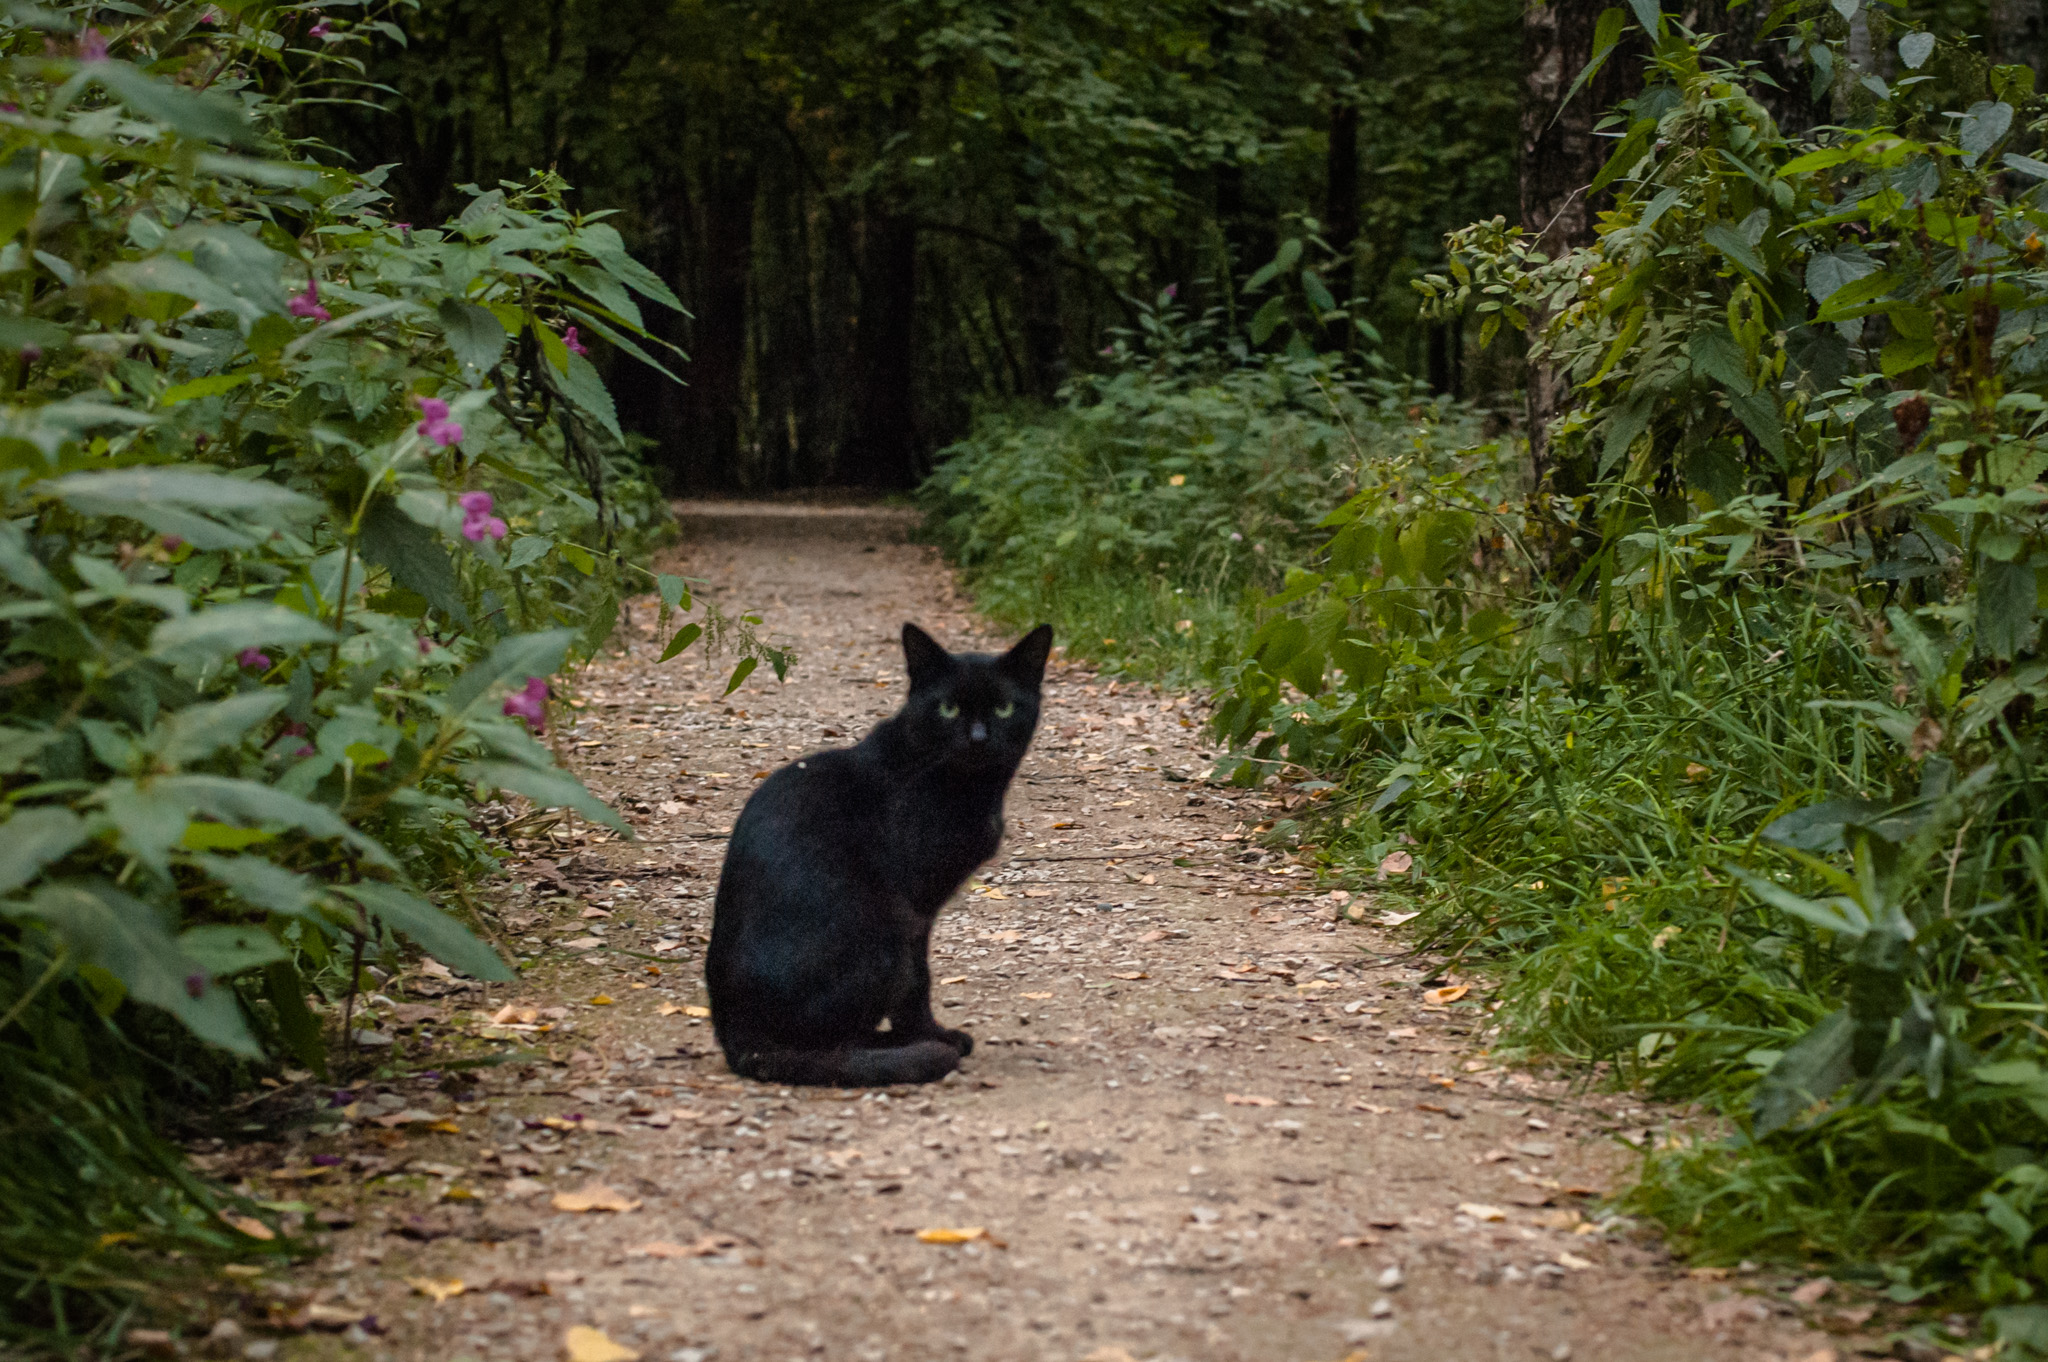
(884, 213)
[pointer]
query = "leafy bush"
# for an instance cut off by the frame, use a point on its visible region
(303, 507)
(1139, 513)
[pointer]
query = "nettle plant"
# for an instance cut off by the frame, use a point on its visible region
(303, 507)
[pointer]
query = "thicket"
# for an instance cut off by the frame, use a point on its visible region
(1715, 735)
(303, 509)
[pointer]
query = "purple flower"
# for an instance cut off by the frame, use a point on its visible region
(92, 46)
(477, 520)
(31, 353)
(304, 749)
(426, 646)
(195, 984)
(172, 543)
(531, 705)
(325, 1160)
(437, 427)
(576, 347)
(10, 107)
(209, 15)
(252, 657)
(319, 30)
(307, 304)
(342, 1097)
(1171, 292)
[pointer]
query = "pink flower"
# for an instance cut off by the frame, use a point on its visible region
(1172, 291)
(172, 543)
(436, 426)
(253, 657)
(426, 646)
(209, 15)
(92, 45)
(31, 353)
(305, 749)
(307, 304)
(319, 30)
(195, 984)
(477, 520)
(576, 347)
(530, 704)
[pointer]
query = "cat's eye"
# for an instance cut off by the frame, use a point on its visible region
(1006, 709)
(948, 710)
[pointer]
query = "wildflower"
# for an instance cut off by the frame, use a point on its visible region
(304, 749)
(255, 657)
(1171, 292)
(530, 704)
(209, 16)
(31, 353)
(576, 347)
(477, 520)
(92, 46)
(172, 543)
(426, 645)
(195, 984)
(436, 426)
(1236, 538)
(319, 30)
(307, 304)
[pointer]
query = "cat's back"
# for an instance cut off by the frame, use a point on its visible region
(822, 796)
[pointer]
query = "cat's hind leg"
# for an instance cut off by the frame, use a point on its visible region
(920, 1061)
(912, 1016)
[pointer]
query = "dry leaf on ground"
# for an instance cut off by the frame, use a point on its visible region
(1128, 974)
(1809, 1292)
(1396, 863)
(708, 1246)
(249, 1225)
(1035, 997)
(584, 1344)
(438, 1288)
(960, 1236)
(594, 1196)
(1245, 1099)
(1479, 1210)
(1449, 994)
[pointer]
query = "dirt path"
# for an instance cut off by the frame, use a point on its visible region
(1203, 1120)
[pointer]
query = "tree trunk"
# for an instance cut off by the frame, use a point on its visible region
(1044, 325)
(2016, 33)
(708, 443)
(1559, 158)
(883, 454)
(1341, 177)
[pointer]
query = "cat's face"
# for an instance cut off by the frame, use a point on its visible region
(974, 709)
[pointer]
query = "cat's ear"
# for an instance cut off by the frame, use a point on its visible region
(1025, 662)
(924, 657)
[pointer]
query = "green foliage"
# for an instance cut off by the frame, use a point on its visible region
(1144, 511)
(302, 507)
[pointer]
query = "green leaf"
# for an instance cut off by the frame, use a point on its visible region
(230, 628)
(2006, 595)
(432, 930)
(549, 788)
(578, 557)
(741, 673)
(1812, 1071)
(196, 731)
(586, 391)
(1607, 31)
(675, 591)
(1983, 126)
(124, 936)
(1267, 319)
(475, 336)
(1729, 241)
(295, 1021)
(413, 555)
(261, 884)
(1834, 915)
(224, 950)
(1858, 297)
(34, 839)
(1915, 49)
(1319, 295)
(210, 117)
(212, 385)
(249, 802)
(1650, 15)
(513, 661)
(684, 637)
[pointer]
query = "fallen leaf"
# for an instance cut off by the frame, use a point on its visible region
(1396, 863)
(1035, 997)
(1108, 1353)
(1810, 1292)
(1573, 1261)
(1695, 771)
(1128, 974)
(249, 1225)
(601, 1000)
(954, 979)
(961, 1236)
(585, 1344)
(1237, 1099)
(1038, 893)
(1396, 919)
(439, 1289)
(1478, 1210)
(1400, 1032)
(524, 1187)
(1450, 994)
(1009, 938)
(667, 1010)
(1368, 1106)
(1152, 936)
(594, 1196)
(690, 1010)
(446, 1127)
(709, 1246)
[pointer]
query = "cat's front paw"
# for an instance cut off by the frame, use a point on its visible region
(960, 1041)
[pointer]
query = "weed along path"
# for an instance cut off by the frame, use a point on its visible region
(1203, 1119)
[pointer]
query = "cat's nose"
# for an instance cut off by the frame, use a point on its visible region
(977, 731)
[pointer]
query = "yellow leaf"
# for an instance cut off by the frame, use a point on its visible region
(960, 1236)
(438, 1288)
(583, 1344)
(249, 1225)
(1450, 994)
(114, 1237)
(445, 1127)
(692, 1011)
(594, 1196)
(953, 979)
(1036, 997)
(1128, 974)
(1177, 480)
(667, 1010)
(1695, 771)
(601, 1000)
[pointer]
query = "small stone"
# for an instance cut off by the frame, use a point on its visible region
(224, 1331)
(1561, 1353)
(1381, 1308)
(260, 1349)
(1391, 1279)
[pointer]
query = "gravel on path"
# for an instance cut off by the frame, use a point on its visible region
(1207, 1117)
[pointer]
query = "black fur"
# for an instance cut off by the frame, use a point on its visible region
(840, 863)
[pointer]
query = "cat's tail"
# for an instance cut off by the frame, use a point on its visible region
(924, 1061)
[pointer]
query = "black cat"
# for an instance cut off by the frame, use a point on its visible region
(839, 864)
